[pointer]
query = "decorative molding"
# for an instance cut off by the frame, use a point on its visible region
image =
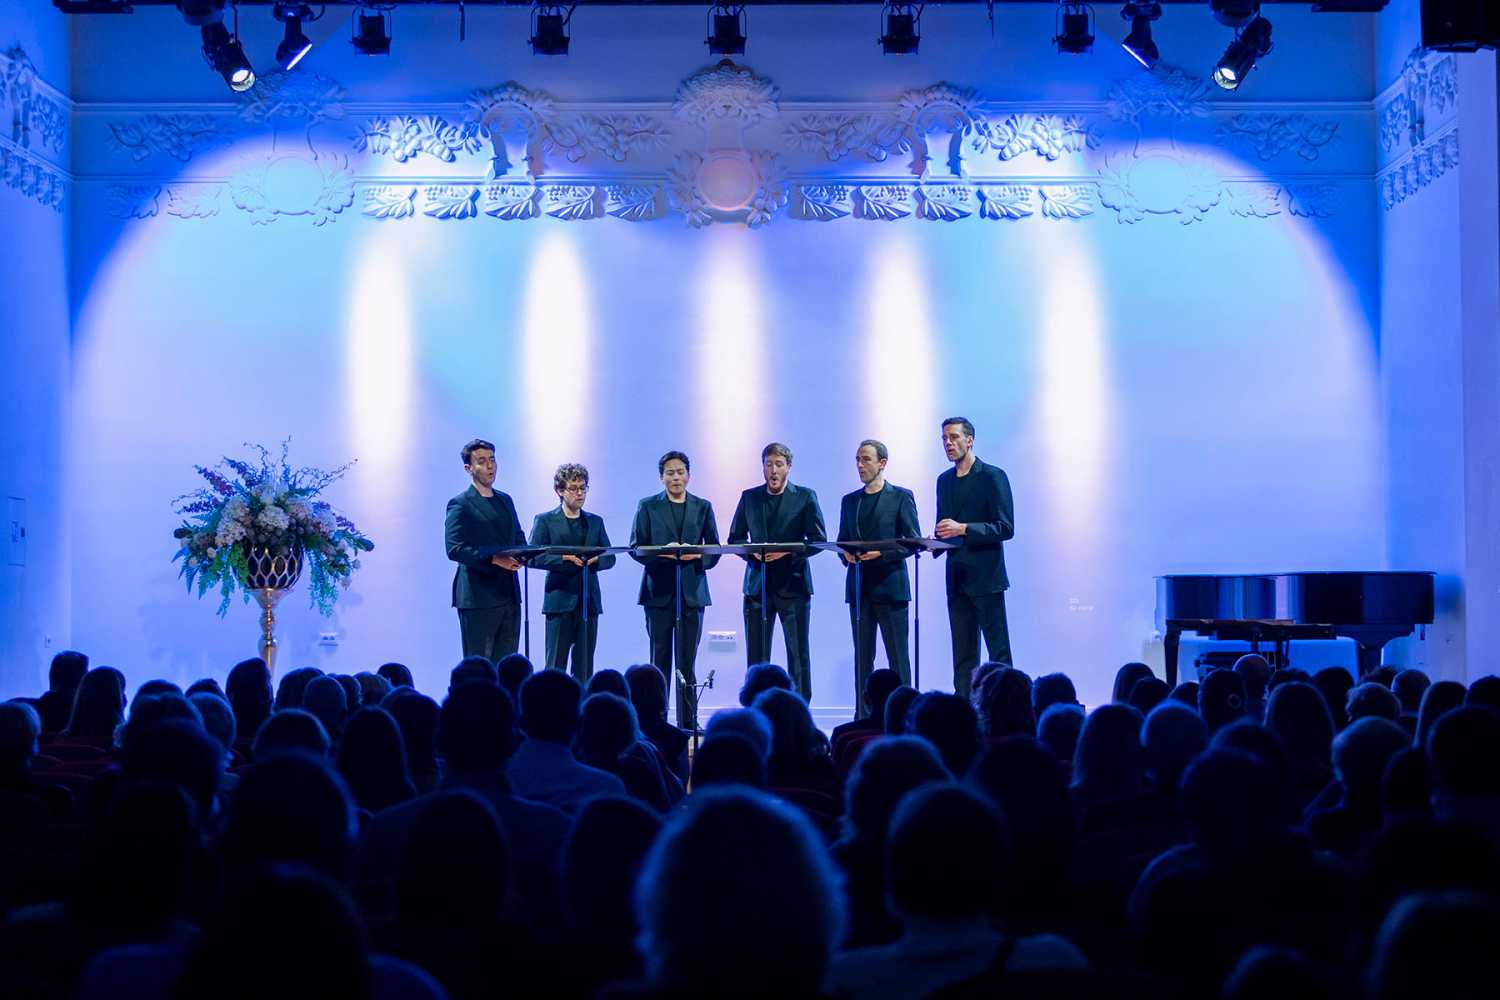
(1269, 134)
(727, 185)
(1006, 201)
(388, 201)
(532, 115)
(633, 202)
(178, 136)
(32, 177)
(1426, 164)
(1429, 81)
(1165, 92)
(572, 202)
(274, 186)
(947, 202)
(293, 96)
(1067, 201)
(726, 92)
(885, 202)
(33, 114)
(824, 202)
(1159, 184)
(405, 137)
(450, 201)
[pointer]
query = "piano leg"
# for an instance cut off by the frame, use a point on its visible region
(1169, 645)
(1369, 657)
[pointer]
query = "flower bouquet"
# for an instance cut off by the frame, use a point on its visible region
(251, 517)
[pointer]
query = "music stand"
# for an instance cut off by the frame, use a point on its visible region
(857, 548)
(523, 554)
(675, 551)
(917, 546)
(584, 552)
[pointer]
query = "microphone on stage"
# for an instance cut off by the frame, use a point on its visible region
(709, 684)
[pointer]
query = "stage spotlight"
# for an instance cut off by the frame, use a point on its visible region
(1075, 28)
(1235, 13)
(1248, 48)
(1139, 43)
(550, 29)
(227, 56)
(201, 12)
(371, 26)
(294, 43)
(726, 30)
(903, 25)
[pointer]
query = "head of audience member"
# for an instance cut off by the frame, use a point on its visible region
(218, 719)
(1436, 943)
(1439, 698)
(372, 688)
(292, 730)
(1254, 739)
(473, 668)
(1335, 683)
(1463, 748)
(1171, 738)
(607, 728)
(729, 758)
(1109, 763)
(417, 715)
(1221, 699)
(745, 722)
(951, 725)
(1025, 781)
(601, 862)
(898, 709)
(1126, 679)
(1005, 707)
(795, 740)
(1408, 686)
(948, 856)
(1485, 692)
(292, 807)
(148, 711)
(733, 844)
(888, 770)
(513, 669)
(293, 685)
(325, 698)
(648, 692)
(178, 752)
(66, 671)
(763, 677)
(878, 687)
(978, 676)
(1255, 671)
(153, 687)
(20, 725)
(98, 708)
(398, 675)
(1147, 694)
(248, 690)
(456, 868)
(1186, 693)
(1059, 729)
(353, 694)
(1232, 804)
(372, 760)
(1372, 700)
(1299, 716)
(136, 864)
(606, 682)
(1361, 754)
(1052, 689)
(477, 724)
(1268, 972)
(204, 685)
(549, 707)
(1406, 788)
(1382, 675)
(1292, 675)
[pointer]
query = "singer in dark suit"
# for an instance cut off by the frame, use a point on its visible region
(562, 600)
(675, 516)
(875, 512)
(485, 590)
(975, 510)
(779, 512)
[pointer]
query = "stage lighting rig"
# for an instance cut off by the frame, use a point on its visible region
(550, 29)
(727, 26)
(201, 13)
(1075, 28)
(903, 26)
(1235, 14)
(370, 29)
(1247, 49)
(227, 57)
(294, 42)
(1139, 44)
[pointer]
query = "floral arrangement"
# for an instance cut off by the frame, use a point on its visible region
(268, 506)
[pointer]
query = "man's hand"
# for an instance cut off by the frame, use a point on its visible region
(593, 559)
(773, 556)
(872, 554)
(849, 557)
(689, 557)
(949, 528)
(574, 560)
(506, 562)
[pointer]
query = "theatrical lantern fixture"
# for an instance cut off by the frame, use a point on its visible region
(726, 30)
(227, 56)
(294, 43)
(550, 31)
(902, 28)
(1139, 44)
(371, 26)
(1075, 28)
(201, 12)
(1235, 13)
(1248, 48)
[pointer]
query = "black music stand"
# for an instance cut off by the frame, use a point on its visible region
(675, 551)
(858, 548)
(584, 552)
(917, 546)
(523, 554)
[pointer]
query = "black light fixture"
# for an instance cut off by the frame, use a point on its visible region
(227, 56)
(371, 30)
(1075, 28)
(294, 42)
(727, 27)
(903, 27)
(1139, 44)
(199, 13)
(550, 29)
(1235, 13)
(1248, 48)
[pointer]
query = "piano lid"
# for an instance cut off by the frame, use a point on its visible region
(1321, 598)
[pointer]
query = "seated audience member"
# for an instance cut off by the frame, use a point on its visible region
(744, 722)
(1052, 689)
(1059, 729)
(150, 710)
(1266, 973)
(1361, 754)
(292, 687)
(513, 669)
(1408, 686)
(1373, 701)
(372, 688)
(1439, 699)
(248, 690)
(1186, 693)
(326, 699)
(178, 752)
(762, 677)
(372, 759)
(154, 687)
(609, 740)
(398, 675)
(601, 863)
(1436, 944)
(948, 868)
(1299, 717)
(1147, 694)
(1463, 748)
(473, 668)
(898, 709)
(1221, 699)
(606, 682)
(799, 751)
(204, 685)
(1335, 683)
(1255, 671)
(1296, 675)
(63, 677)
(779, 936)
(1005, 707)
(417, 715)
(218, 719)
(1485, 692)
(1382, 675)
(98, 710)
(728, 759)
(870, 718)
(28, 804)
(950, 724)
(1406, 789)
(648, 695)
(290, 808)
(980, 674)
(891, 768)
(353, 695)
(1109, 765)
(1171, 738)
(294, 730)
(1126, 679)
(543, 768)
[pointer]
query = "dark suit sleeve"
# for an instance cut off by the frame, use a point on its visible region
(907, 525)
(710, 535)
(607, 559)
(1003, 527)
(640, 533)
(846, 532)
(542, 535)
(459, 549)
(520, 536)
(812, 524)
(739, 527)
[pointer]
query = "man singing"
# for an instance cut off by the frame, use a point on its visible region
(675, 517)
(562, 603)
(779, 512)
(878, 511)
(485, 590)
(975, 510)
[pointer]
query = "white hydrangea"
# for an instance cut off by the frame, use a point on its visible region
(230, 531)
(273, 519)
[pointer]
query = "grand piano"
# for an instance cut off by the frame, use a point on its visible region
(1276, 608)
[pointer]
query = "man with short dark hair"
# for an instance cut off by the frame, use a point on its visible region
(675, 517)
(779, 512)
(568, 631)
(485, 590)
(543, 768)
(975, 511)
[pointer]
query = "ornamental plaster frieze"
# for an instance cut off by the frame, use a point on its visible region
(34, 147)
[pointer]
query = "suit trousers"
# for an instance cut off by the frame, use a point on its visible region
(794, 614)
(566, 634)
(891, 620)
(968, 616)
(668, 643)
(490, 632)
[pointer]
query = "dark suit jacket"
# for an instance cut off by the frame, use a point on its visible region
(977, 566)
(882, 580)
(654, 525)
(799, 520)
(564, 580)
(471, 525)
